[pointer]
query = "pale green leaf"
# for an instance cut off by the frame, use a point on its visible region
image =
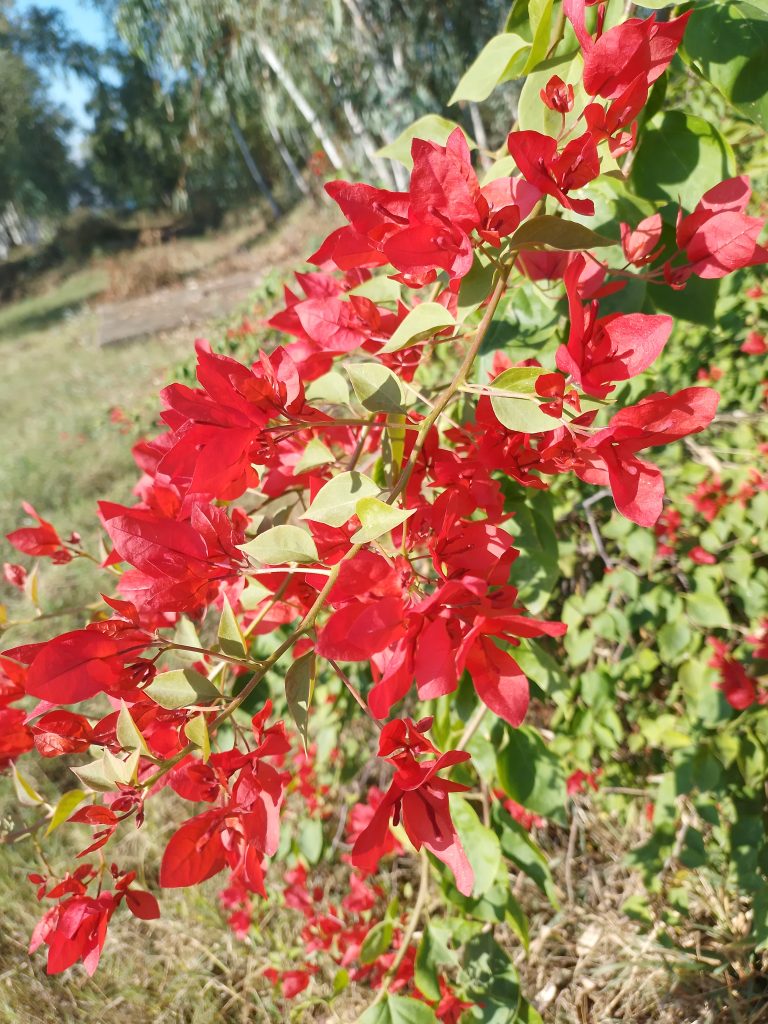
(299, 687)
(498, 61)
(315, 454)
(180, 688)
(336, 502)
(520, 411)
(231, 639)
(377, 518)
(282, 545)
(196, 731)
(422, 322)
(376, 387)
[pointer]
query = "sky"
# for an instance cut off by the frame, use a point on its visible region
(69, 90)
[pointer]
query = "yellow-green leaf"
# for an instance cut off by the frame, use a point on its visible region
(498, 61)
(180, 688)
(282, 545)
(299, 687)
(422, 322)
(231, 640)
(377, 518)
(335, 503)
(64, 808)
(196, 731)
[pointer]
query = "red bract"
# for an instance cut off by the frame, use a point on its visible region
(553, 172)
(62, 732)
(428, 228)
(41, 541)
(557, 95)
(718, 237)
(217, 429)
(76, 666)
(611, 348)
(639, 244)
(609, 456)
(418, 798)
(634, 49)
(179, 564)
(75, 930)
(15, 736)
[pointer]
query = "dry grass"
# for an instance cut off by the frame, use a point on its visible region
(594, 961)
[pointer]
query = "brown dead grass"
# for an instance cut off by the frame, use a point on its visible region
(590, 962)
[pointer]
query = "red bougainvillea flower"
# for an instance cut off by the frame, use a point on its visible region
(639, 244)
(428, 228)
(609, 456)
(611, 348)
(418, 799)
(719, 237)
(740, 689)
(557, 172)
(557, 95)
(635, 49)
(755, 344)
(41, 541)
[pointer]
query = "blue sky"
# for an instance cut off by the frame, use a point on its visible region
(68, 90)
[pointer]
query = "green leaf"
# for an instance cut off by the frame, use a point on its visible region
(377, 941)
(196, 731)
(728, 46)
(231, 640)
(706, 609)
(378, 289)
(531, 774)
(535, 571)
(433, 952)
(336, 502)
(398, 1010)
(422, 322)
(540, 17)
(128, 735)
(519, 847)
(64, 808)
(26, 793)
(377, 518)
(310, 839)
(492, 980)
(519, 412)
(331, 387)
(315, 454)
(180, 688)
(281, 545)
(481, 845)
(376, 386)
(680, 157)
(95, 776)
(498, 61)
(299, 687)
(431, 127)
(475, 287)
(557, 233)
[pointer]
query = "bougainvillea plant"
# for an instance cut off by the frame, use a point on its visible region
(343, 508)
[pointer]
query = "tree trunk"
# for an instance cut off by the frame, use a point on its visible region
(288, 160)
(255, 173)
(306, 111)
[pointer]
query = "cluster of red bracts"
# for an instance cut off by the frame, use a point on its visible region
(442, 604)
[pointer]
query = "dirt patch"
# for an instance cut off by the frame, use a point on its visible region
(215, 292)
